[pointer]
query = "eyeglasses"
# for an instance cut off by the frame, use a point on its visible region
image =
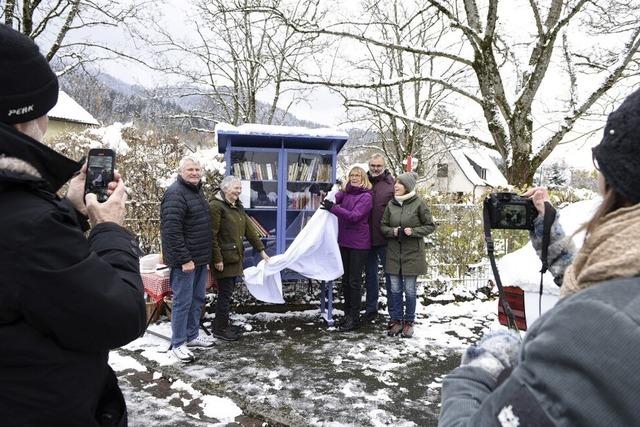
(354, 175)
(595, 160)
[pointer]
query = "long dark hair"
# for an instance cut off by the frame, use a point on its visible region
(611, 201)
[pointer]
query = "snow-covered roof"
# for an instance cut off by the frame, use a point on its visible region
(274, 130)
(464, 157)
(271, 136)
(69, 110)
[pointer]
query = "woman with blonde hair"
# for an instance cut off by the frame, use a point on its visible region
(578, 363)
(352, 207)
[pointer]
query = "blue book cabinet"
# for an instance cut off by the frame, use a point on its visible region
(285, 173)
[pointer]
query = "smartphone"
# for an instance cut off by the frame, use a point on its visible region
(100, 165)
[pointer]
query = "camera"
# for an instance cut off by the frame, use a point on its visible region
(510, 211)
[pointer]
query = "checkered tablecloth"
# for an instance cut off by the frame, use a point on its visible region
(157, 287)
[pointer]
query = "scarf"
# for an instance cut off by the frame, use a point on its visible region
(404, 197)
(611, 251)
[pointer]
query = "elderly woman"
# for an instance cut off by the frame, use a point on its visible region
(230, 225)
(578, 364)
(405, 222)
(352, 207)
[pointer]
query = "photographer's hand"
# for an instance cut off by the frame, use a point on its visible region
(112, 210)
(75, 191)
(538, 196)
(496, 352)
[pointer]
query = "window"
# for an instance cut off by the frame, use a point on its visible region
(480, 171)
(443, 170)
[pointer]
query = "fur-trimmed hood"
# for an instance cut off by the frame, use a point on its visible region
(25, 160)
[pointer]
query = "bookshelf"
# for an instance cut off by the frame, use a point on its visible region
(286, 172)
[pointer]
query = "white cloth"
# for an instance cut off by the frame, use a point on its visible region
(314, 254)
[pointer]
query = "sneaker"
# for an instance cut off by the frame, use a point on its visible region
(200, 342)
(395, 329)
(226, 334)
(407, 330)
(183, 353)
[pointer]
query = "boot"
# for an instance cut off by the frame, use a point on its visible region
(395, 328)
(407, 330)
(348, 325)
(226, 334)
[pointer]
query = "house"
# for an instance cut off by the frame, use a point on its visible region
(468, 171)
(68, 116)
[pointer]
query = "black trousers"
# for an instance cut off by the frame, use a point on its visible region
(353, 262)
(223, 304)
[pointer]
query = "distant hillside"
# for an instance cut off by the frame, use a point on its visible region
(109, 100)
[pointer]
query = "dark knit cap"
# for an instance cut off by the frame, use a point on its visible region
(618, 154)
(28, 86)
(408, 180)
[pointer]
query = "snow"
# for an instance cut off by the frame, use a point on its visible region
(67, 109)
(259, 129)
(296, 366)
(109, 137)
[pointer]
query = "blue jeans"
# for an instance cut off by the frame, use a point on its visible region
(188, 298)
(375, 253)
(403, 286)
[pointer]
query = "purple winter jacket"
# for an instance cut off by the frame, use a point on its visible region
(382, 192)
(352, 208)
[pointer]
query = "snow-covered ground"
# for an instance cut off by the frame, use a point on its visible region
(290, 368)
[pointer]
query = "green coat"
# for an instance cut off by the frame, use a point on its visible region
(230, 226)
(407, 253)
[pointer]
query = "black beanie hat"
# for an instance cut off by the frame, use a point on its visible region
(28, 86)
(618, 154)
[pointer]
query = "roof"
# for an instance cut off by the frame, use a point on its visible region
(271, 136)
(466, 157)
(66, 109)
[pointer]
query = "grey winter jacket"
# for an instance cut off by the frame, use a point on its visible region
(185, 225)
(578, 366)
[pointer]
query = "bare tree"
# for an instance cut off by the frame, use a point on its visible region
(233, 56)
(54, 24)
(507, 70)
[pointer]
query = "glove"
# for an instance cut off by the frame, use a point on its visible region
(326, 205)
(496, 352)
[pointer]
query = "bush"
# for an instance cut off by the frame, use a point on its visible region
(148, 162)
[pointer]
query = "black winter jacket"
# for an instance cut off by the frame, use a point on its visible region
(65, 300)
(186, 225)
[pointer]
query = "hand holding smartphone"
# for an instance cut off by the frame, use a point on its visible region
(101, 163)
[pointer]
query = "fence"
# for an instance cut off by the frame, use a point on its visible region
(443, 277)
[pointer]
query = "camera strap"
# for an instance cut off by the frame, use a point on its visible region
(549, 218)
(511, 321)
